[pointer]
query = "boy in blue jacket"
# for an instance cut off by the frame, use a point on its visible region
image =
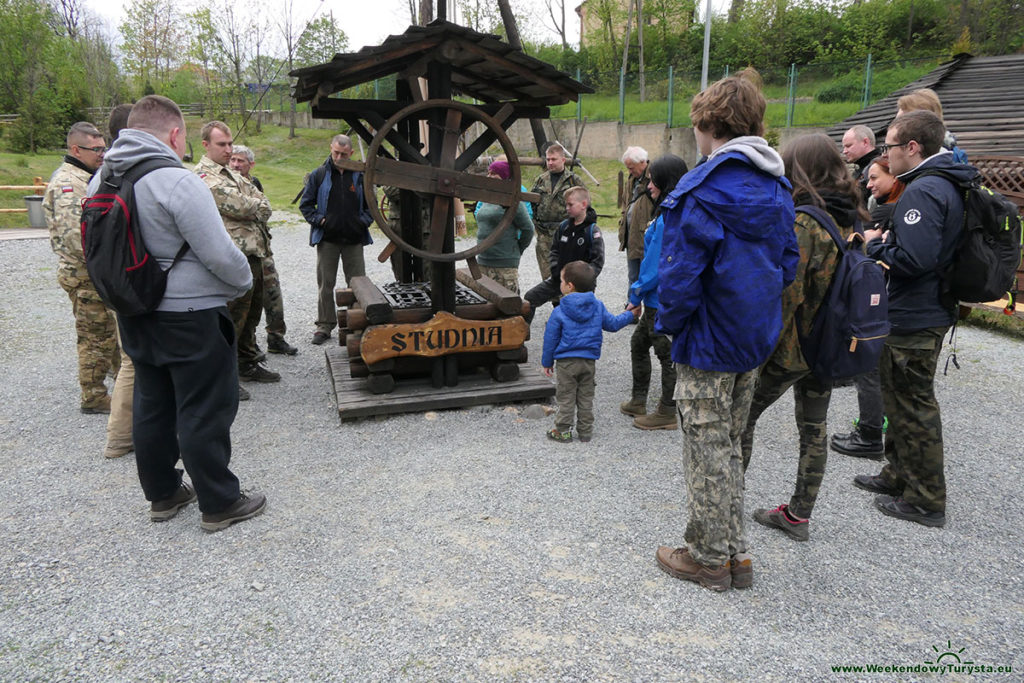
(573, 338)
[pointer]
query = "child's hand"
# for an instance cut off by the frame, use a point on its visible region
(635, 310)
(548, 372)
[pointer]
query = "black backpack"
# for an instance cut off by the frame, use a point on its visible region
(988, 254)
(128, 279)
(850, 327)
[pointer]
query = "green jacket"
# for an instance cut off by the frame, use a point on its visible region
(510, 246)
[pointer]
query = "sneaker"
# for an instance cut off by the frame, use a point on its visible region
(100, 406)
(875, 484)
(277, 345)
(663, 418)
(163, 510)
(584, 438)
(243, 393)
(857, 445)
(117, 451)
(260, 356)
(319, 337)
(681, 565)
(634, 407)
(257, 373)
(741, 567)
(560, 437)
(246, 507)
(779, 518)
(901, 509)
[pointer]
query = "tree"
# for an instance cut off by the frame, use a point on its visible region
(152, 40)
(556, 13)
(320, 41)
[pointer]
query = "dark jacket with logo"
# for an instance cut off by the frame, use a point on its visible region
(926, 225)
(581, 242)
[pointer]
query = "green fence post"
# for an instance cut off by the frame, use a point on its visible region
(671, 83)
(622, 97)
(867, 84)
(790, 105)
(376, 89)
(579, 100)
(726, 71)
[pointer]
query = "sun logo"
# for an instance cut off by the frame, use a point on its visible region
(948, 654)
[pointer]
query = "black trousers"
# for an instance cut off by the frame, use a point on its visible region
(186, 397)
(541, 293)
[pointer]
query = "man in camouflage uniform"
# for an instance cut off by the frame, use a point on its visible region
(94, 323)
(549, 211)
(242, 161)
(245, 212)
(637, 208)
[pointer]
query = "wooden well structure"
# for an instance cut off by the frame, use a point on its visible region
(440, 336)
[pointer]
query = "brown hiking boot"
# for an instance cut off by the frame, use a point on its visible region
(634, 407)
(118, 450)
(246, 507)
(741, 567)
(100, 406)
(663, 418)
(163, 510)
(681, 565)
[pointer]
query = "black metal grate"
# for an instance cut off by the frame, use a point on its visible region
(417, 295)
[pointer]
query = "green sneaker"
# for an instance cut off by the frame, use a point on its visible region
(560, 437)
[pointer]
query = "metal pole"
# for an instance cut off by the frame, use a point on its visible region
(579, 100)
(671, 83)
(707, 48)
(867, 84)
(792, 96)
(622, 97)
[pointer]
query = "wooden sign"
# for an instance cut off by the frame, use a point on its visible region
(441, 335)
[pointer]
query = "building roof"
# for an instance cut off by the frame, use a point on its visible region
(482, 66)
(982, 104)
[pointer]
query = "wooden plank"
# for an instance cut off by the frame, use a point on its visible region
(357, 317)
(442, 335)
(371, 300)
(507, 301)
(354, 400)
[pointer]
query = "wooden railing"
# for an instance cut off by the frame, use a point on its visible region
(38, 187)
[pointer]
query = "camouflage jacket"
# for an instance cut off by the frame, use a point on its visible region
(62, 207)
(818, 260)
(637, 208)
(243, 208)
(549, 212)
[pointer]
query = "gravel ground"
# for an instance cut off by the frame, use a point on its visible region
(462, 544)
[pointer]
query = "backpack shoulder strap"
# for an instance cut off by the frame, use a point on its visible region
(825, 221)
(135, 172)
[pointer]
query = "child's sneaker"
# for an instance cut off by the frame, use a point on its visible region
(561, 437)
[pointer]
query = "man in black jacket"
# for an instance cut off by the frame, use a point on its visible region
(335, 208)
(859, 150)
(926, 226)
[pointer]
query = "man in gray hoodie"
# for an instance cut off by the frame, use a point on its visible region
(186, 378)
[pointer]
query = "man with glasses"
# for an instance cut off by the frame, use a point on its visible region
(926, 226)
(62, 206)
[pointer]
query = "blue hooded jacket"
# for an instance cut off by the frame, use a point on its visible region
(574, 328)
(728, 251)
(645, 288)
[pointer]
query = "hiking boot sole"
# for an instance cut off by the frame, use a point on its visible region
(632, 413)
(742, 573)
(921, 518)
(862, 482)
(225, 523)
(650, 428)
(164, 515)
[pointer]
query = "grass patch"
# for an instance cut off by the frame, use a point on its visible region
(1008, 325)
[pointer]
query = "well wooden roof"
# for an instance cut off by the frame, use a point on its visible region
(982, 104)
(482, 66)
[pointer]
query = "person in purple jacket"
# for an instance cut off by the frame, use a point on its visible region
(728, 251)
(573, 338)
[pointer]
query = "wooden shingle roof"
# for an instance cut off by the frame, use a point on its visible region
(982, 104)
(482, 66)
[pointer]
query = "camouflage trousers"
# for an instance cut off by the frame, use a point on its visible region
(913, 444)
(245, 314)
(810, 399)
(273, 303)
(574, 393)
(506, 277)
(644, 337)
(96, 335)
(713, 409)
(543, 246)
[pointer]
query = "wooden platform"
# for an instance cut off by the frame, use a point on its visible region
(354, 400)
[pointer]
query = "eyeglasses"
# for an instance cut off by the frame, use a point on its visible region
(96, 150)
(884, 149)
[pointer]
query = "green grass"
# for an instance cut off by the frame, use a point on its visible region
(1009, 325)
(22, 169)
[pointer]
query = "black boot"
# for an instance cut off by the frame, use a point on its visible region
(862, 442)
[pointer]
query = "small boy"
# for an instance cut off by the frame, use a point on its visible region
(576, 239)
(573, 337)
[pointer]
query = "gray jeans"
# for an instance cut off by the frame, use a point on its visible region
(574, 393)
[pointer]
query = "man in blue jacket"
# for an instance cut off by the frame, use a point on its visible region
(728, 251)
(926, 226)
(334, 205)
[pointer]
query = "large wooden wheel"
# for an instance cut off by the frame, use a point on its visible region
(446, 179)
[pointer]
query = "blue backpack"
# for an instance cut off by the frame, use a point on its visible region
(850, 327)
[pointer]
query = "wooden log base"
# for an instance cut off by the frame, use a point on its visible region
(504, 372)
(354, 400)
(372, 300)
(380, 384)
(344, 297)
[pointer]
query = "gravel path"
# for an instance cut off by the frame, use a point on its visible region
(464, 545)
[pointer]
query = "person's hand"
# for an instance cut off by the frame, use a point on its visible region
(548, 372)
(635, 310)
(872, 234)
